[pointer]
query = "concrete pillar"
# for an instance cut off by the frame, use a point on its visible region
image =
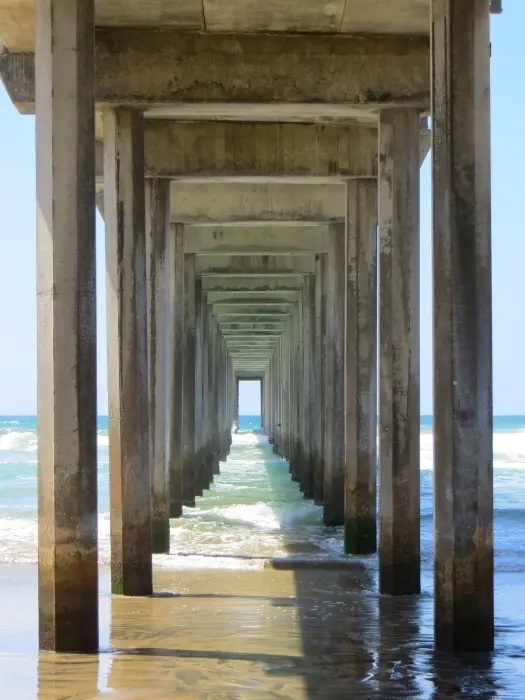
(214, 378)
(286, 393)
(267, 401)
(301, 393)
(130, 487)
(320, 326)
(199, 405)
(293, 448)
(262, 393)
(157, 248)
(361, 367)
(463, 500)
(310, 386)
(334, 468)
(176, 349)
(224, 386)
(189, 383)
(399, 419)
(67, 399)
(236, 401)
(206, 399)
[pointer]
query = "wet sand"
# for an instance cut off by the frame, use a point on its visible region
(260, 633)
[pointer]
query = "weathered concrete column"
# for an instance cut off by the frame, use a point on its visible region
(267, 401)
(399, 419)
(157, 249)
(206, 399)
(320, 363)
(214, 378)
(227, 422)
(293, 447)
(334, 468)
(287, 393)
(199, 405)
(189, 383)
(176, 349)
(463, 501)
(130, 487)
(67, 398)
(236, 400)
(361, 367)
(301, 395)
(222, 383)
(310, 387)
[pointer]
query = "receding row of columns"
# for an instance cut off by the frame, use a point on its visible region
(170, 375)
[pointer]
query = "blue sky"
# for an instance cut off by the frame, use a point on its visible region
(17, 243)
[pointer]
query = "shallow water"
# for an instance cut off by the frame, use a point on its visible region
(253, 509)
(224, 624)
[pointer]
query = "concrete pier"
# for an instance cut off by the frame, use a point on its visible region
(334, 409)
(463, 554)
(399, 416)
(176, 350)
(361, 368)
(67, 396)
(157, 249)
(189, 384)
(258, 174)
(124, 211)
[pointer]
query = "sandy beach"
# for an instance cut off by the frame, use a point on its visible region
(301, 634)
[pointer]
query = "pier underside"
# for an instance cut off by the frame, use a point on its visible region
(257, 169)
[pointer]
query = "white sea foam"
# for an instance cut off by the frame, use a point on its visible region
(103, 440)
(18, 441)
(27, 441)
(509, 450)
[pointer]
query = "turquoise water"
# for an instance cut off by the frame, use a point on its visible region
(253, 510)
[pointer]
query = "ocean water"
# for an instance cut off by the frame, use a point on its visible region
(253, 510)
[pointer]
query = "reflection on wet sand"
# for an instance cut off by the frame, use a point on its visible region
(267, 634)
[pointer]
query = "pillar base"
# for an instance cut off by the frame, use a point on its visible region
(401, 578)
(175, 510)
(360, 536)
(160, 537)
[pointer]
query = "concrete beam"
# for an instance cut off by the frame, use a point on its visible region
(239, 151)
(263, 299)
(141, 68)
(220, 203)
(243, 149)
(249, 318)
(250, 345)
(247, 326)
(252, 285)
(256, 240)
(255, 265)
